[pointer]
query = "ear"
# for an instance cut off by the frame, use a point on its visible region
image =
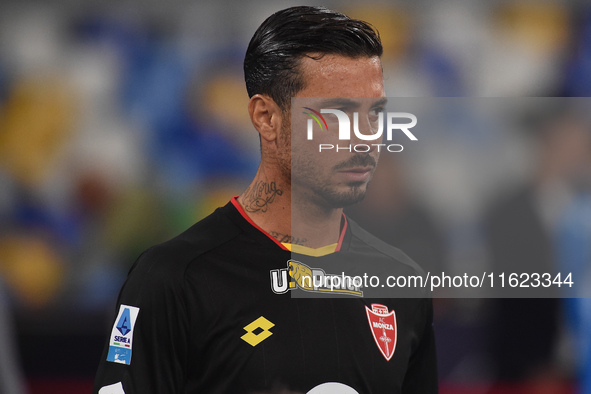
(266, 116)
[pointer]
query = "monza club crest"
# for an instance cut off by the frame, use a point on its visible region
(383, 328)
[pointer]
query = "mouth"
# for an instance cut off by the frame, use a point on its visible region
(357, 174)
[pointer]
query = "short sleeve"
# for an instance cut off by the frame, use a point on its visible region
(146, 351)
(421, 375)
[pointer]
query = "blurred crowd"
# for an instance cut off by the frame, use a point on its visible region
(122, 124)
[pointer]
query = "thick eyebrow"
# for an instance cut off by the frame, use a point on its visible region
(340, 102)
(381, 102)
(347, 103)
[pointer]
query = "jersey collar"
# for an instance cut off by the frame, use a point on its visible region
(302, 250)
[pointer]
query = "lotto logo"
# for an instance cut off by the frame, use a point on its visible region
(261, 326)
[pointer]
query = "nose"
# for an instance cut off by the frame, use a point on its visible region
(367, 132)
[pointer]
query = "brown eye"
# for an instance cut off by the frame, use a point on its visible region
(373, 115)
(374, 118)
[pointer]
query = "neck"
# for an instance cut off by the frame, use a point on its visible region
(289, 216)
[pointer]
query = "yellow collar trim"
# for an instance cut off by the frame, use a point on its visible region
(314, 252)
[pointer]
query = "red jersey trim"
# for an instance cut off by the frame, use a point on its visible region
(342, 236)
(237, 205)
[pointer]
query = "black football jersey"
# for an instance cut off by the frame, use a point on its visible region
(225, 308)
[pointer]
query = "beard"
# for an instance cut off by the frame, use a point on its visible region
(323, 191)
(341, 199)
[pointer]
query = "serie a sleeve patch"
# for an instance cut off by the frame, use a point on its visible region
(121, 340)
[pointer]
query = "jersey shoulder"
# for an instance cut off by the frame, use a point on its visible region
(363, 239)
(171, 258)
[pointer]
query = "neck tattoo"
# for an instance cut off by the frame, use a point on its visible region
(286, 238)
(260, 195)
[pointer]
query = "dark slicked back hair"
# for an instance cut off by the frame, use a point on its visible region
(271, 64)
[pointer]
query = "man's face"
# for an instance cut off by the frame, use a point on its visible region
(330, 178)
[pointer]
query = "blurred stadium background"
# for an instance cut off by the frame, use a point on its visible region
(122, 123)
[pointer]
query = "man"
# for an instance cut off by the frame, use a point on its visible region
(215, 310)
